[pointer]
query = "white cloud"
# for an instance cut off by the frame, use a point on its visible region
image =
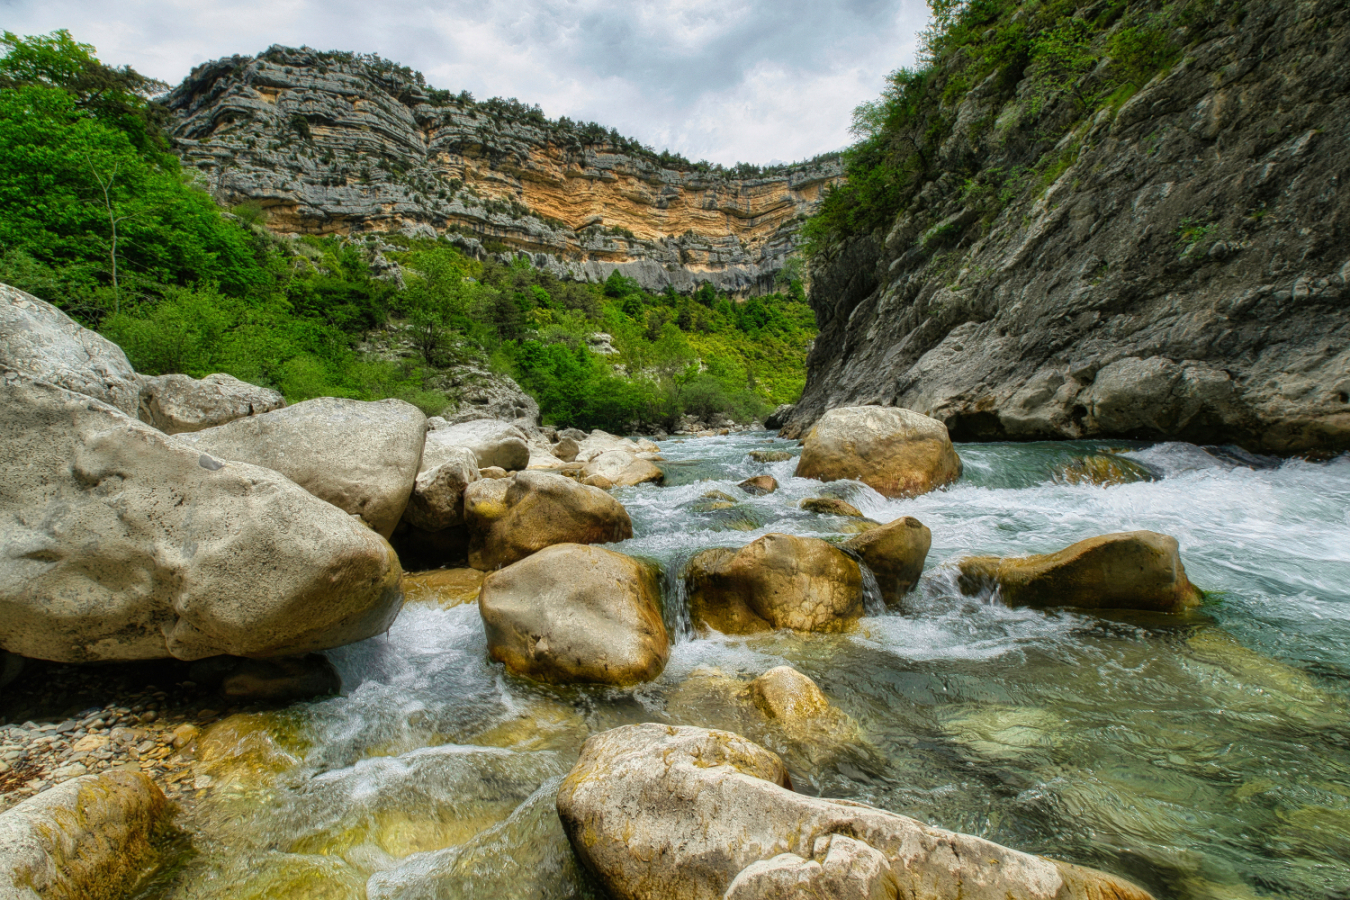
(725, 80)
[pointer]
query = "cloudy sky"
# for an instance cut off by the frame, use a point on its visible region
(725, 80)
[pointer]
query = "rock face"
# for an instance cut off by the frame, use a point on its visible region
(177, 403)
(1185, 277)
(896, 452)
(1132, 570)
(317, 140)
(41, 342)
(487, 395)
(89, 837)
(572, 613)
(361, 457)
(493, 442)
(895, 553)
(778, 581)
(656, 811)
(437, 500)
(123, 543)
(510, 518)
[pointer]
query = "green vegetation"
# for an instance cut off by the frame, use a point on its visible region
(1045, 67)
(97, 217)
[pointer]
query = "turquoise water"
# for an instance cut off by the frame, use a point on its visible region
(1204, 756)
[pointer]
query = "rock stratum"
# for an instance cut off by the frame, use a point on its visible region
(338, 143)
(1178, 269)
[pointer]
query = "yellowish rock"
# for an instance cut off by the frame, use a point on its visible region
(895, 553)
(446, 587)
(1102, 469)
(896, 452)
(511, 518)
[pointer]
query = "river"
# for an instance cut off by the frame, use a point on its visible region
(1204, 756)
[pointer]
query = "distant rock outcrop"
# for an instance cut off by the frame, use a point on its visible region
(340, 143)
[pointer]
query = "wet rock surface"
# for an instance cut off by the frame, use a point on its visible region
(896, 452)
(895, 552)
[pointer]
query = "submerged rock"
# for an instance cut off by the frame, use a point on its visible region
(90, 837)
(446, 587)
(510, 518)
(896, 452)
(768, 456)
(795, 704)
(124, 543)
(41, 342)
(1130, 570)
(759, 485)
(778, 581)
(1102, 469)
(176, 404)
(655, 811)
(895, 553)
(283, 680)
(494, 443)
(359, 456)
(830, 506)
(572, 613)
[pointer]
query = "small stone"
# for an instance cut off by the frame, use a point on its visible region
(759, 485)
(148, 716)
(201, 782)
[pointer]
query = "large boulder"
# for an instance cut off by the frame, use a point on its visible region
(778, 581)
(658, 812)
(176, 404)
(623, 469)
(573, 613)
(41, 342)
(896, 452)
(494, 443)
(124, 543)
(895, 553)
(1130, 570)
(437, 500)
(510, 518)
(361, 457)
(90, 837)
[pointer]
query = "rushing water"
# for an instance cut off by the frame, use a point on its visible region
(1205, 756)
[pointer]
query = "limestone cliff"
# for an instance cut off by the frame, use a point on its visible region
(341, 143)
(1176, 265)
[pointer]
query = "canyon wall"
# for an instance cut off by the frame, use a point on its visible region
(1180, 269)
(338, 143)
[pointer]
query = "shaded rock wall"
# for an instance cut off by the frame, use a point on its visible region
(337, 143)
(1187, 275)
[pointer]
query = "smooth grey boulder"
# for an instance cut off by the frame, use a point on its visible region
(41, 342)
(574, 613)
(896, 452)
(90, 837)
(124, 543)
(658, 812)
(494, 443)
(361, 457)
(179, 403)
(437, 500)
(623, 469)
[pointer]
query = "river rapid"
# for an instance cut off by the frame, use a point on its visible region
(1205, 756)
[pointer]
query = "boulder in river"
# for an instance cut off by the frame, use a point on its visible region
(176, 404)
(573, 613)
(89, 837)
(759, 485)
(830, 506)
(795, 704)
(658, 812)
(895, 553)
(768, 456)
(894, 451)
(778, 581)
(623, 469)
(361, 457)
(510, 518)
(124, 543)
(437, 500)
(493, 443)
(1102, 469)
(1130, 570)
(447, 588)
(41, 342)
